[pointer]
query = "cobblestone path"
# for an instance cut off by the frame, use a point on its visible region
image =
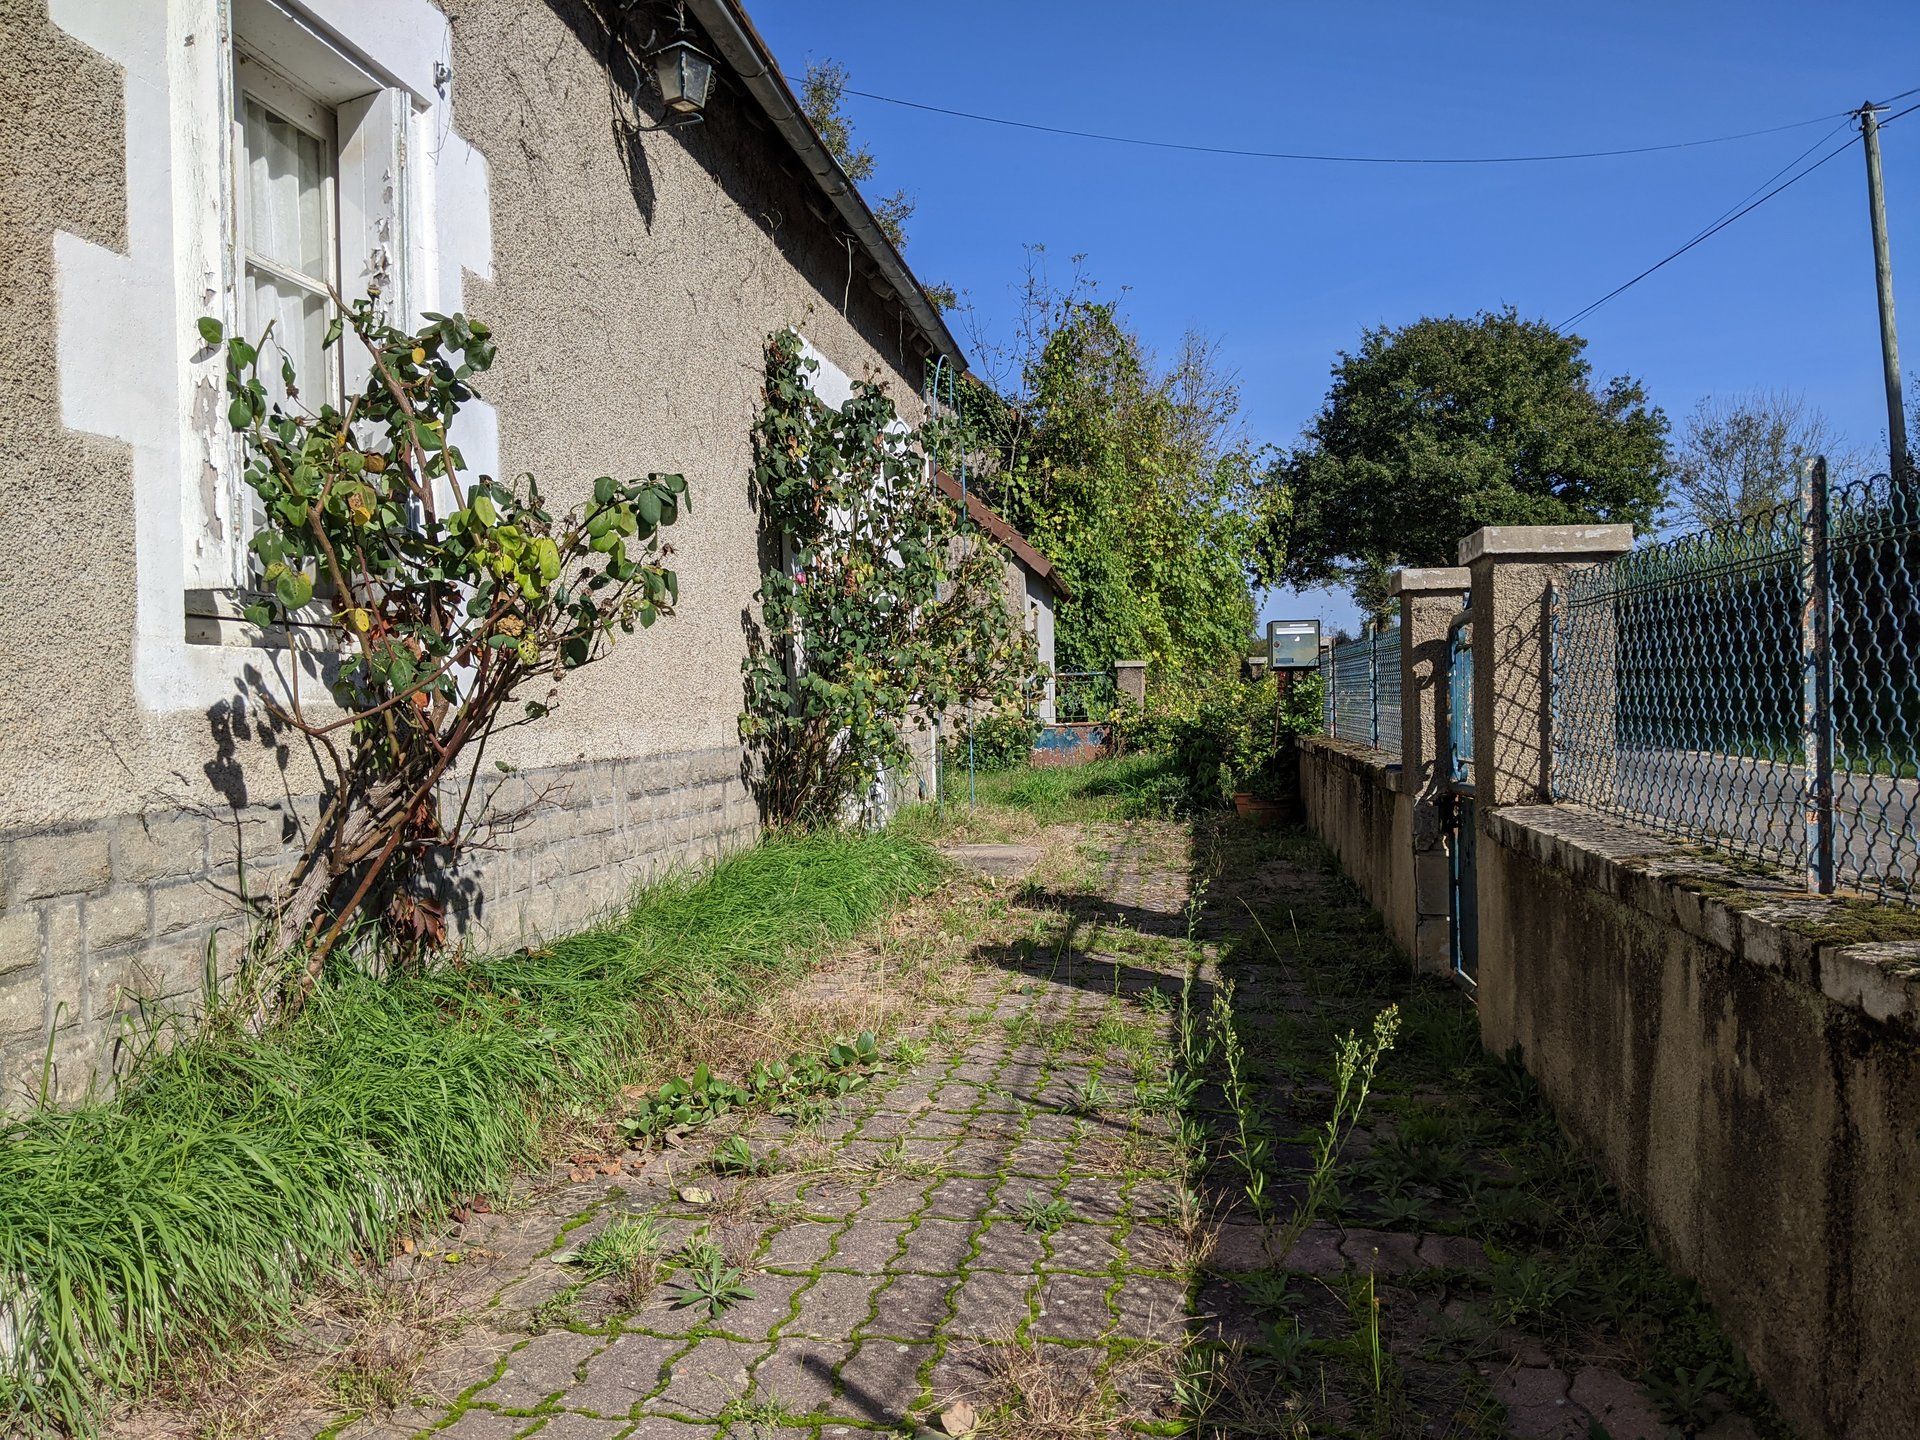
(1029, 1220)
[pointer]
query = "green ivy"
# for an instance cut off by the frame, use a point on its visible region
(878, 616)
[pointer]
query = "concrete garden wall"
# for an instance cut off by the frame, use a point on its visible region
(1353, 802)
(1754, 1089)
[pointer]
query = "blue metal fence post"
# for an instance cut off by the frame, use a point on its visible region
(1816, 671)
(1373, 684)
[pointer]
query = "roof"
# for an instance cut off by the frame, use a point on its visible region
(740, 49)
(989, 520)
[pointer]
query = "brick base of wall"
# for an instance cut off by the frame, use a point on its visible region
(109, 925)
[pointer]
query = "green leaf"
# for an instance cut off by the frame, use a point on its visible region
(240, 413)
(211, 330)
(294, 589)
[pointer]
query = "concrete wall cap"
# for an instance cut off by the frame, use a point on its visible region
(1429, 581)
(1545, 542)
(1129, 664)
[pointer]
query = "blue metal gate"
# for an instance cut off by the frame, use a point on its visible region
(1463, 924)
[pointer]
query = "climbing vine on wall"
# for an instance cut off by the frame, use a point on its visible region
(875, 615)
(451, 609)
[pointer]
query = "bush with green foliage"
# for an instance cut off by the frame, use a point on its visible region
(451, 597)
(1224, 738)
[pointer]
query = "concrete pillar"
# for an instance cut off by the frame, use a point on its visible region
(1130, 680)
(1511, 567)
(1429, 602)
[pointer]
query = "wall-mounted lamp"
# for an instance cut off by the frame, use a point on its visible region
(685, 76)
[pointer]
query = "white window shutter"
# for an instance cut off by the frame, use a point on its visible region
(373, 240)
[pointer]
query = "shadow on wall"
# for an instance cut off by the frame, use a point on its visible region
(746, 158)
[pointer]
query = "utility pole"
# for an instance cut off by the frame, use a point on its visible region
(1883, 282)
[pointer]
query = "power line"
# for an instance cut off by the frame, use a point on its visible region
(1711, 230)
(1729, 217)
(1335, 159)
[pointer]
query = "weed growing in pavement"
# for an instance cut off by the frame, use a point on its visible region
(689, 1101)
(713, 1287)
(734, 1156)
(1355, 1062)
(1043, 1216)
(1252, 1148)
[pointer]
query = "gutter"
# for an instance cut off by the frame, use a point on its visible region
(745, 54)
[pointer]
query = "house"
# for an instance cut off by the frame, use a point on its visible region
(1034, 586)
(512, 159)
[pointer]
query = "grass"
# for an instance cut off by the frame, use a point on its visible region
(236, 1170)
(1129, 785)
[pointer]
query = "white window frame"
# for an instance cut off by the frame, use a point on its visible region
(254, 79)
(286, 62)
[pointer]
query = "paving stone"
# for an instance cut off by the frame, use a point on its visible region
(989, 1305)
(895, 1200)
(868, 1245)
(1382, 1252)
(1045, 1159)
(936, 1247)
(702, 1381)
(1453, 1252)
(1073, 1307)
(757, 1318)
(544, 1366)
(1537, 1404)
(834, 1306)
(880, 1381)
(623, 1375)
(798, 1246)
(584, 1427)
(912, 1307)
(481, 1425)
(1618, 1404)
(799, 1374)
(1082, 1247)
(959, 1197)
(1146, 1308)
(1008, 1245)
(831, 1198)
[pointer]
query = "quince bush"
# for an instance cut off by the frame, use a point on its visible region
(449, 598)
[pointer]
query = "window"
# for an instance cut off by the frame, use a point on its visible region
(314, 204)
(288, 226)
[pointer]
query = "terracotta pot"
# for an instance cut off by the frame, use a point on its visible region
(1257, 808)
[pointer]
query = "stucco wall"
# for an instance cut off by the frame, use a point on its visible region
(630, 278)
(1753, 1090)
(1353, 803)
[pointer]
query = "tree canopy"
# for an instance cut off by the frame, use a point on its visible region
(1439, 427)
(1129, 476)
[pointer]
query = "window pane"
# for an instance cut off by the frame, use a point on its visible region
(299, 320)
(287, 173)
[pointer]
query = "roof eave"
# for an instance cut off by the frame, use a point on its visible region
(752, 63)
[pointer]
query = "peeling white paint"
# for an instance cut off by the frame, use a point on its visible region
(131, 367)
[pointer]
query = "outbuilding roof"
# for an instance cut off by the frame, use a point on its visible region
(989, 520)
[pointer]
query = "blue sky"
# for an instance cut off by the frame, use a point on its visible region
(1285, 263)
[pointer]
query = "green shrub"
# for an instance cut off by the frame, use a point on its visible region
(1000, 742)
(1222, 736)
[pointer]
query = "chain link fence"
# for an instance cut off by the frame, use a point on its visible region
(1362, 703)
(1750, 687)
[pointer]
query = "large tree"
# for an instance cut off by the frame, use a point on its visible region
(1129, 473)
(1439, 427)
(1738, 457)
